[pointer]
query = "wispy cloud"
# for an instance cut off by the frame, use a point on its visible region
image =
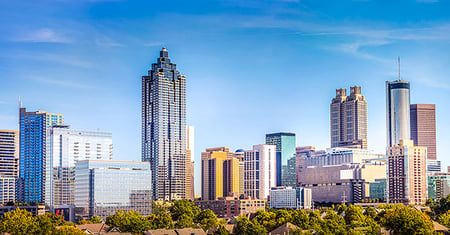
(58, 82)
(153, 44)
(43, 35)
(104, 41)
(54, 58)
(3, 102)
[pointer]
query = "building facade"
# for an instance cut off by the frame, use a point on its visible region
(64, 148)
(103, 187)
(190, 163)
(348, 118)
(232, 206)
(164, 128)
(407, 179)
(438, 186)
(397, 112)
(9, 165)
(423, 127)
(220, 173)
(285, 145)
(259, 171)
(339, 156)
(33, 128)
(288, 197)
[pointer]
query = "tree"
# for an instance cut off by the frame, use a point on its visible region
(301, 219)
(282, 217)
(370, 212)
(45, 224)
(221, 230)
(407, 220)
(333, 223)
(163, 220)
(444, 219)
(207, 219)
(185, 221)
(354, 217)
(183, 207)
(245, 227)
(266, 219)
(18, 221)
(65, 229)
(130, 221)
(95, 220)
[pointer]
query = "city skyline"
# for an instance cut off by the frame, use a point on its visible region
(45, 57)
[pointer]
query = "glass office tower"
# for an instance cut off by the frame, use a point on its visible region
(164, 128)
(32, 163)
(285, 147)
(9, 163)
(397, 112)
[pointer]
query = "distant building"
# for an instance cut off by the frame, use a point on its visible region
(164, 128)
(285, 145)
(64, 148)
(190, 162)
(407, 179)
(288, 197)
(259, 171)
(102, 187)
(34, 210)
(423, 127)
(339, 156)
(397, 112)
(438, 186)
(220, 173)
(32, 164)
(231, 206)
(348, 117)
(9, 165)
(433, 166)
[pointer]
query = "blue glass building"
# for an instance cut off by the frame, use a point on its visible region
(32, 160)
(285, 143)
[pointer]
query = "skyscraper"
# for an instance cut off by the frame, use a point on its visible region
(33, 150)
(348, 116)
(164, 128)
(423, 127)
(285, 146)
(190, 162)
(397, 112)
(407, 179)
(259, 171)
(220, 173)
(64, 148)
(9, 163)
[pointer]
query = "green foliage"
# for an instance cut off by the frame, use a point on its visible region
(183, 207)
(370, 212)
(266, 219)
(207, 219)
(354, 217)
(64, 230)
(407, 220)
(429, 202)
(18, 221)
(95, 220)
(246, 227)
(130, 221)
(444, 219)
(333, 224)
(163, 220)
(185, 221)
(221, 230)
(301, 219)
(44, 224)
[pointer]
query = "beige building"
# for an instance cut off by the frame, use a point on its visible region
(423, 127)
(190, 162)
(9, 164)
(407, 179)
(220, 173)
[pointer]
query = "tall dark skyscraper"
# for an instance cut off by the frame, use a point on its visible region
(423, 127)
(348, 116)
(164, 128)
(397, 112)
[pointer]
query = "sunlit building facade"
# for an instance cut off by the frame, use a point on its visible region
(423, 127)
(397, 112)
(259, 171)
(9, 164)
(438, 186)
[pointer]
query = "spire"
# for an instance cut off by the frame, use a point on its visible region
(399, 78)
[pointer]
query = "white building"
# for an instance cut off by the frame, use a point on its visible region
(64, 148)
(259, 171)
(287, 197)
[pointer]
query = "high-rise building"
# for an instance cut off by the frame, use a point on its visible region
(348, 117)
(33, 150)
(164, 128)
(397, 112)
(103, 187)
(438, 186)
(190, 162)
(9, 164)
(64, 148)
(239, 154)
(423, 127)
(259, 171)
(220, 173)
(285, 146)
(407, 178)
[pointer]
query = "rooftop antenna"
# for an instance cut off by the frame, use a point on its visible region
(20, 103)
(399, 69)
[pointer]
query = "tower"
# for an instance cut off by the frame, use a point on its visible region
(397, 112)
(423, 127)
(164, 128)
(285, 147)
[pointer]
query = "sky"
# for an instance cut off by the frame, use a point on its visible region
(252, 67)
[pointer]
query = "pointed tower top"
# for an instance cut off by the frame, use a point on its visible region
(164, 53)
(399, 78)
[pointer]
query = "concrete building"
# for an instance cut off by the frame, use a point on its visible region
(231, 206)
(397, 112)
(338, 156)
(344, 182)
(239, 154)
(259, 171)
(288, 197)
(9, 165)
(190, 163)
(423, 127)
(34, 210)
(103, 187)
(285, 144)
(220, 173)
(348, 118)
(64, 148)
(33, 128)
(164, 128)
(438, 186)
(407, 179)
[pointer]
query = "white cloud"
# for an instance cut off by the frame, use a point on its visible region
(104, 41)
(43, 35)
(59, 82)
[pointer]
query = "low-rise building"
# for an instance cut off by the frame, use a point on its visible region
(34, 210)
(228, 207)
(288, 197)
(438, 186)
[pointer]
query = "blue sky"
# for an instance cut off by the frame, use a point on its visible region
(252, 67)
